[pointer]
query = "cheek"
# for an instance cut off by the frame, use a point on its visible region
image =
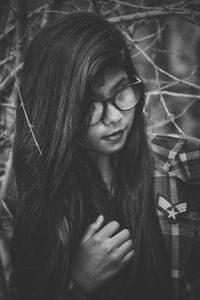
(93, 136)
(93, 139)
(129, 116)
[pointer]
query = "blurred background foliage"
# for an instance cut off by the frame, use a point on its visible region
(164, 39)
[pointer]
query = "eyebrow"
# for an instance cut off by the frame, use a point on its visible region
(124, 79)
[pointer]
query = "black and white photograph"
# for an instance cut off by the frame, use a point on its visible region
(99, 150)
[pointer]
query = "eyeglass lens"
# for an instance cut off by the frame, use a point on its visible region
(124, 100)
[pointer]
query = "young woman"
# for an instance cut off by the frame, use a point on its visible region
(86, 224)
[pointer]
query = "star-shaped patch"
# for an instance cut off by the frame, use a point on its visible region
(171, 211)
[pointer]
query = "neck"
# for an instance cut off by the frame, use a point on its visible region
(103, 163)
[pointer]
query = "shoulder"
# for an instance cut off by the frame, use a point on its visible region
(178, 155)
(169, 141)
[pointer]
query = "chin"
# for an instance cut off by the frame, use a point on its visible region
(112, 149)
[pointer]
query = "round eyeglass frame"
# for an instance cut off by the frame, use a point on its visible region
(112, 100)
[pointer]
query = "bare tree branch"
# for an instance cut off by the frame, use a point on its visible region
(178, 5)
(55, 5)
(165, 122)
(6, 60)
(21, 29)
(7, 31)
(169, 115)
(26, 116)
(95, 7)
(173, 94)
(149, 46)
(5, 179)
(190, 84)
(8, 105)
(6, 132)
(147, 15)
(10, 78)
(181, 15)
(11, 28)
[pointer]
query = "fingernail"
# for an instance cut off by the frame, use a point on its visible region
(99, 219)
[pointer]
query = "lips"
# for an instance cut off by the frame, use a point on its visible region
(114, 135)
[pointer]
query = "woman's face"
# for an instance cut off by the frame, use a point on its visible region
(110, 134)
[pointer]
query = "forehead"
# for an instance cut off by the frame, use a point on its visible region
(108, 80)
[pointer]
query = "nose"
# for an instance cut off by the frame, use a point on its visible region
(113, 114)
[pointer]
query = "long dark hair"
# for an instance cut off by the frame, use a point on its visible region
(61, 191)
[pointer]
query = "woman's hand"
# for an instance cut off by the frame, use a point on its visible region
(101, 255)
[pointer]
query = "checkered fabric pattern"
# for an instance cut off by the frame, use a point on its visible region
(177, 196)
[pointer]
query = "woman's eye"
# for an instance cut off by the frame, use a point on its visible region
(120, 93)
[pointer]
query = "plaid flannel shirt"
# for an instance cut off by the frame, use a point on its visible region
(177, 198)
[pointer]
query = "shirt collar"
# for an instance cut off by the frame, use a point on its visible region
(173, 156)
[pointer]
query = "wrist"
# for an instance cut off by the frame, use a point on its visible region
(84, 284)
(77, 292)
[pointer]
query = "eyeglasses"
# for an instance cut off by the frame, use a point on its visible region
(124, 99)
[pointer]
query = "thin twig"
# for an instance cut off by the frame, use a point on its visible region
(149, 46)
(180, 13)
(172, 84)
(10, 78)
(132, 41)
(10, 29)
(21, 27)
(190, 13)
(190, 84)
(6, 32)
(156, 92)
(9, 129)
(8, 105)
(107, 13)
(5, 179)
(26, 33)
(172, 53)
(57, 12)
(95, 6)
(140, 6)
(162, 100)
(26, 116)
(165, 122)
(147, 15)
(183, 3)
(146, 37)
(38, 10)
(54, 5)
(6, 60)
(170, 116)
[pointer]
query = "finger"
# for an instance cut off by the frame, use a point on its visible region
(108, 230)
(128, 258)
(120, 238)
(124, 249)
(92, 229)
